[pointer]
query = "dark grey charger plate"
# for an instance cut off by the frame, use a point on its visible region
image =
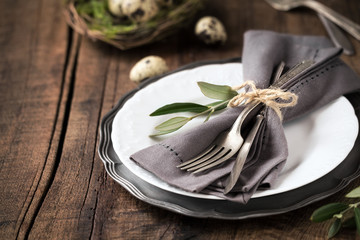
(327, 185)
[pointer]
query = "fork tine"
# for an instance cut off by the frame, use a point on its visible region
(214, 151)
(216, 162)
(221, 155)
(206, 151)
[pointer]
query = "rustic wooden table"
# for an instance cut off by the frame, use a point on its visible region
(56, 86)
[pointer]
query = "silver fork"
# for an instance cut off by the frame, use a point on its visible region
(229, 142)
(345, 23)
(222, 148)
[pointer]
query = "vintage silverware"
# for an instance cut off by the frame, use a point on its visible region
(224, 146)
(337, 36)
(243, 153)
(345, 23)
(245, 148)
(229, 142)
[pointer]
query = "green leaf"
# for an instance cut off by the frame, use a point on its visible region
(220, 92)
(334, 228)
(349, 223)
(327, 211)
(179, 107)
(172, 124)
(357, 218)
(355, 193)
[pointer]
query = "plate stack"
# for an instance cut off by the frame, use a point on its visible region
(322, 158)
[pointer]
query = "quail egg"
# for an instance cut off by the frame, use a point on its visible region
(149, 66)
(210, 30)
(139, 10)
(115, 7)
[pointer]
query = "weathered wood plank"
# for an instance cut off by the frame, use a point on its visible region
(65, 209)
(33, 41)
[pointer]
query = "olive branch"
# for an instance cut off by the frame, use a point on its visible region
(346, 215)
(222, 93)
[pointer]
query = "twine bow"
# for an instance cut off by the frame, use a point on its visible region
(275, 98)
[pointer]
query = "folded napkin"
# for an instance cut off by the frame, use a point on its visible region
(325, 81)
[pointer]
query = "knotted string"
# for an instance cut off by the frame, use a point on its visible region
(274, 98)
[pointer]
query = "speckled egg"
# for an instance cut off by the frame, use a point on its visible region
(148, 67)
(115, 7)
(140, 10)
(210, 30)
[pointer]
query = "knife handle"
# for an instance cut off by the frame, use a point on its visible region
(243, 153)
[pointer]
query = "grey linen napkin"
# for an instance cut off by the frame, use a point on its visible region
(325, 81)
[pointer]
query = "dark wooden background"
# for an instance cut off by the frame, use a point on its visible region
(56, 86)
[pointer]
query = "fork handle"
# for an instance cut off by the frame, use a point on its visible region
(345, 23)
(243, 153)
(236, 127)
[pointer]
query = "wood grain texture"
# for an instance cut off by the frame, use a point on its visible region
(54, 89)
(33, 40)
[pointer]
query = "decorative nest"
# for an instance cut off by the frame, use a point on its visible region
(92, 19)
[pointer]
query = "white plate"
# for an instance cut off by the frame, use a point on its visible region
(317, 143)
